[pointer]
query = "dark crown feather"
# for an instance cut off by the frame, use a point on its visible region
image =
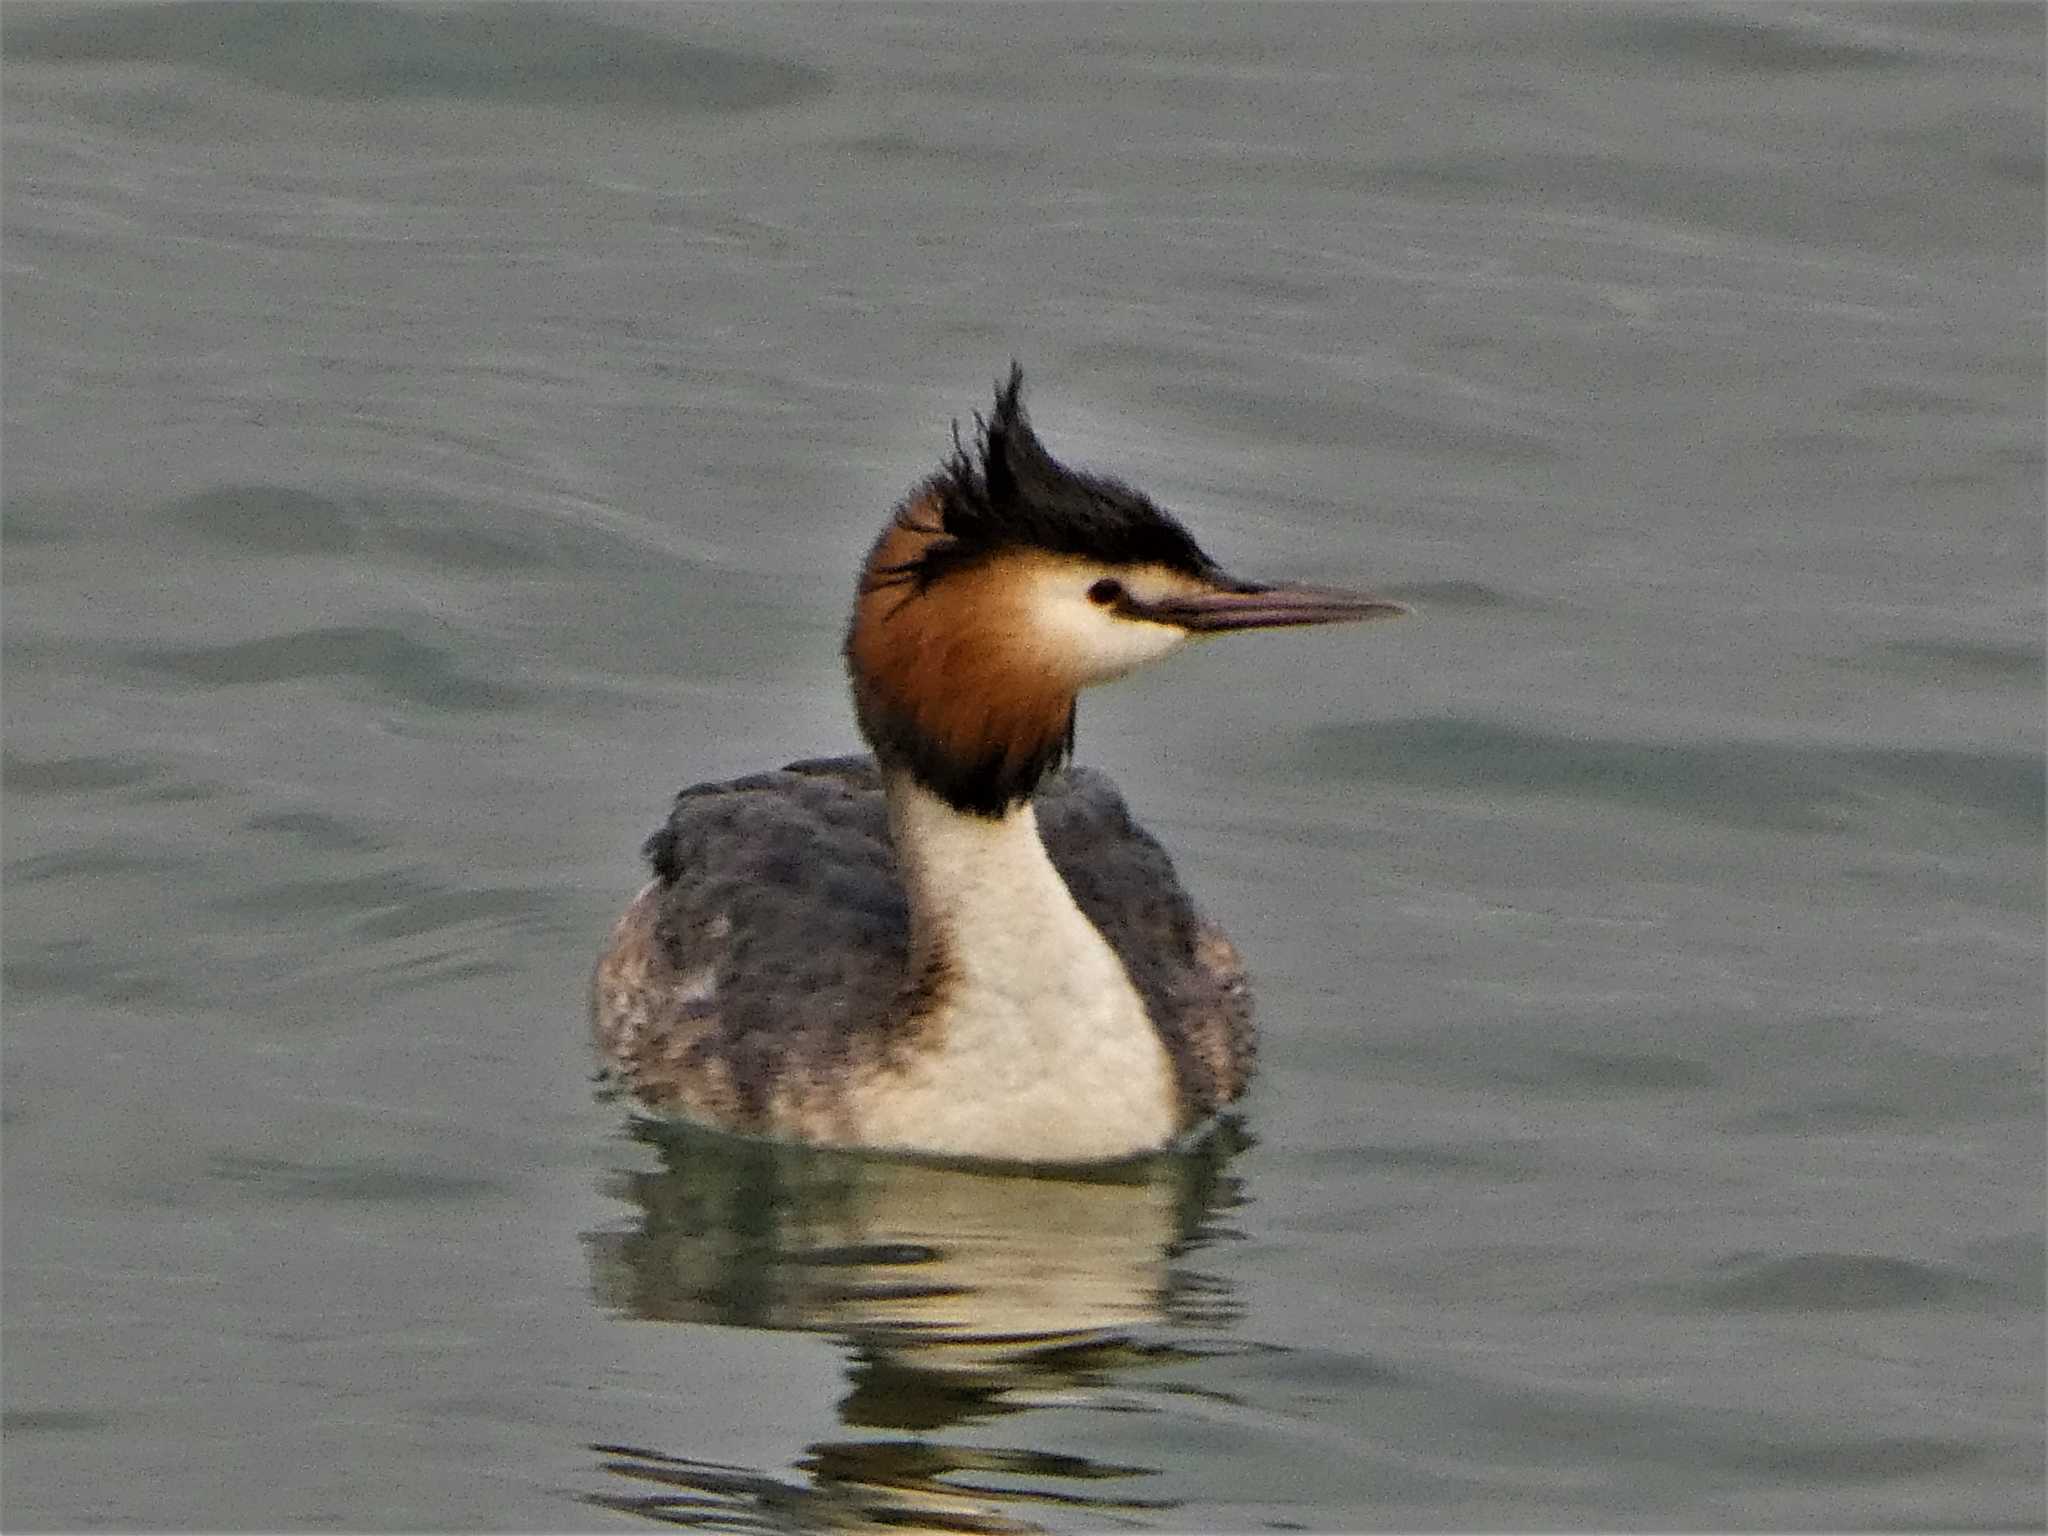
(1007, 492)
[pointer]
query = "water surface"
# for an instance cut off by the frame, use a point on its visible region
(433, 436)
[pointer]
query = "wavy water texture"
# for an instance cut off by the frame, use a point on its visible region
(435, 434)
(1770, 786)
(1841, 1282)
(436, 532)
(348, 50)
(395, 663)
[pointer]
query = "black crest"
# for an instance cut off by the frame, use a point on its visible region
(1007, 492)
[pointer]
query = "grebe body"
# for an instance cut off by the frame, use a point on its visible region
(957, 946)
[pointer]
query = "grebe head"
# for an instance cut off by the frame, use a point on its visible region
(1007, 583)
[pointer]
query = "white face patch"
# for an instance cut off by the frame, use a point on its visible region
(1088, 640)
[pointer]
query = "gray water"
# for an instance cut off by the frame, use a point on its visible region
(432, 437)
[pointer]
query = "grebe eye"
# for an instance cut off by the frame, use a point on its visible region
(1106, 591)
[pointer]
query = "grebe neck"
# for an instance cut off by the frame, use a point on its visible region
(1033, 1041)
(984, 896)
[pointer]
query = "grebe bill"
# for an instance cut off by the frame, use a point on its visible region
(957, 946)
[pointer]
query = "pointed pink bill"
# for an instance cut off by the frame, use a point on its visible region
(1249, 606)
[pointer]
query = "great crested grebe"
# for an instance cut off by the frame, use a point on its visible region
(956, 946)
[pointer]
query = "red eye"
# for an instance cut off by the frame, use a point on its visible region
(1106, 591)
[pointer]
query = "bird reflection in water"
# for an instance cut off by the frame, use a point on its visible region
(964, 1294)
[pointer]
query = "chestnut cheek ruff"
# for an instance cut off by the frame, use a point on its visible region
(947, 684)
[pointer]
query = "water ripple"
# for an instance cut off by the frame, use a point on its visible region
(1780, 786)
(265, 519)
(78, 775)
(1962, 662)
(1793, 44)
(349, 1183)
(1837, 1282)
(360, 52)
(392, 904)
(395, 662)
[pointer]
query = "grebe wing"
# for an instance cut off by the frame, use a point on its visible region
(767, 954)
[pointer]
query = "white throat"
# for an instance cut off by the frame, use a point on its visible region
(1034, 1043)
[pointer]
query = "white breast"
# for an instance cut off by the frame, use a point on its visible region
(1037, 1046)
